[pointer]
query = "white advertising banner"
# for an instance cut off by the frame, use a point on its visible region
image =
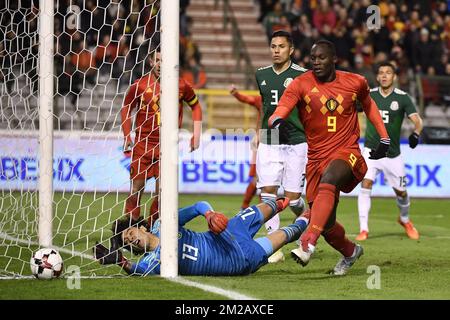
(85, 163)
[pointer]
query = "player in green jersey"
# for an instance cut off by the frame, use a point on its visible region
(394, 104)
(280, 164)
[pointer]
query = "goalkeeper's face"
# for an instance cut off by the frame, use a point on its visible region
(140, 238)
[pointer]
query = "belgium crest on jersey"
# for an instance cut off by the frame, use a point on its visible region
(331, 104)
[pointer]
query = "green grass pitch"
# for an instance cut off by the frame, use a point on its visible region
(408, 269)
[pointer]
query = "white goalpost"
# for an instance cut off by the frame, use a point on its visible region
(65, 70)
(46, 122)
(169, 137)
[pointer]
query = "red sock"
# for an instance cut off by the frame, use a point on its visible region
(249, 193)
(154, 211)
(320, 212)
(322, 207)
(132, 206)
(335, 236)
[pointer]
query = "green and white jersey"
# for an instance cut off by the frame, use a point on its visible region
(271, 87)
(393, 109)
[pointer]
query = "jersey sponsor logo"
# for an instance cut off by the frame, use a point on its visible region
(287, 82)
(331, 104)
(263, 83)
(394, 106)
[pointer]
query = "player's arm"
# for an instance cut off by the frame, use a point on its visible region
(255, 101)
(186, 214)
(125, 113)
(373, 114)
(192, 100)
(290, 98)
(418, 126)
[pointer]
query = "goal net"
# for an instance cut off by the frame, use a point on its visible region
(100, 48)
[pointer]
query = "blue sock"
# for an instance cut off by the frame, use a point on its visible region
(294, 231)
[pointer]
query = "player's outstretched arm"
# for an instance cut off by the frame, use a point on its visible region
(255, 101)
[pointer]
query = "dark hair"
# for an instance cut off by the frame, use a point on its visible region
(328, 44)
(283, 33)
(387, 64)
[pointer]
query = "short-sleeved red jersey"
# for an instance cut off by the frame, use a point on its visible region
(326, 110)
(144, 95)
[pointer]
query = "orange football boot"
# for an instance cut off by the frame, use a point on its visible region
(363, 235)
(410, 230)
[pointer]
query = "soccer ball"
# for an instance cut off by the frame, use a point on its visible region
(46, 264)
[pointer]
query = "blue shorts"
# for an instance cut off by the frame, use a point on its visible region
(243, 227)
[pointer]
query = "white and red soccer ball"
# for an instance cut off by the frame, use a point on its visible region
(46, 264)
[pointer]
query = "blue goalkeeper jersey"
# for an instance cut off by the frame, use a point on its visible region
(233, 252)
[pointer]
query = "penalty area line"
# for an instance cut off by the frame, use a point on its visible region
(220, 291)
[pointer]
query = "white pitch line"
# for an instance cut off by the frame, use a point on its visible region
(29, 242)
(226, 293)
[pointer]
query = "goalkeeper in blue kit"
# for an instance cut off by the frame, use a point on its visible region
(228, 248)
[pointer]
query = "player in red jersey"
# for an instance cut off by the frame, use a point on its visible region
(143, 96)
(326, 102)
(255, 101)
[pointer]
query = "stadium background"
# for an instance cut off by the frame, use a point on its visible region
(221, 42)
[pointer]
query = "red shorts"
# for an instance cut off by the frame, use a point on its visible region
(252, 171)
(144, 160)
(315, 169)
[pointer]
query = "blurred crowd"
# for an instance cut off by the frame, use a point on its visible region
(414, 34)
(96, 41)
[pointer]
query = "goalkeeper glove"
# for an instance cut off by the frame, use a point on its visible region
(106, 256)
(381, 150)
(282, 203)
(283, 130)
(413, 140)
(217, 222)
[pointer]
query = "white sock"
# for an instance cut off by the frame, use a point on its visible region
(273, 224)
(364, 203)
(403, 204)
(297, 206)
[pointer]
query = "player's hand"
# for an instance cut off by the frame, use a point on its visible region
(128, 147)
(413, 140)
(381, 150)
(233, 89)
(195, 143)
(282, 203)
(217, 222)
(106, 256)
(283, 130)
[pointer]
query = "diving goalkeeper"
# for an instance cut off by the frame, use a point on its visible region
(228, 248)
